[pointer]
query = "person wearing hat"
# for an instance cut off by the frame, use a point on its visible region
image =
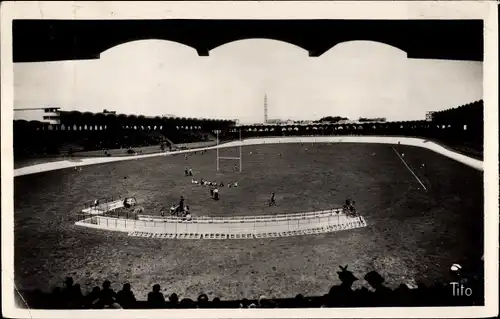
(382, 293)
(375, 280)
(342, 295)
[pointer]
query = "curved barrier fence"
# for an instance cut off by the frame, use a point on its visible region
(103, 208)
(278, 217)
(282, 225)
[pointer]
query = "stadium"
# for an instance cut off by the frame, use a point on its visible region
(190, 212)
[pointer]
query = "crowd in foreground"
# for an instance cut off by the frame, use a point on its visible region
(462, 290)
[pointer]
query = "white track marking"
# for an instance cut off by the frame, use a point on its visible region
(408, 167)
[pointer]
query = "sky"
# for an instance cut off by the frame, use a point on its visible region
(153, 77)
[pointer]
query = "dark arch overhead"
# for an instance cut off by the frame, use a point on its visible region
(53, 40)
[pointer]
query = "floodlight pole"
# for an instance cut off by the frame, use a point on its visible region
(241, 145)
(217, 132)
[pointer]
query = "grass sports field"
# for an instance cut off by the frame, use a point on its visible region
(412, 234)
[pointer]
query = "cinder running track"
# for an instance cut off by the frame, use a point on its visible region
(474, 163)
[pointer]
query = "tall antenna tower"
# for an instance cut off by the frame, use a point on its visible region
(265, 108)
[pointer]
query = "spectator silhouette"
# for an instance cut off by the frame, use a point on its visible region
(174, 300)
(125, 297)
(93, 299)
(244, 303)
(299, 301)
(56, 302)
(68, 285)
(155, 298)
(216, 303)
(402, 295)
(107, 296)
(323, 301)
(263, 302)
(67, 292)
(76, 297)
(187, 303)
(382, 293)
(342, 295)
(202, 301)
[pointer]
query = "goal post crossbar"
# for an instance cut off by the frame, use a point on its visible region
(239, 158)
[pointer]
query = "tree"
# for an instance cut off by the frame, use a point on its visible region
(333, 119)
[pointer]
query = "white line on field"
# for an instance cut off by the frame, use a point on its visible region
(408, 167)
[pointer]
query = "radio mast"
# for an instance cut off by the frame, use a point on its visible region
(265, 108)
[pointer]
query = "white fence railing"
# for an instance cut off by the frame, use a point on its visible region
(230, 227)
(103, 208)
(262, 218)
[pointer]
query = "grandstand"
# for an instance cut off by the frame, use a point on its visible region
(460, 128)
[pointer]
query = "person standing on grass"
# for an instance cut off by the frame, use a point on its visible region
(272, 201)
(181, 205)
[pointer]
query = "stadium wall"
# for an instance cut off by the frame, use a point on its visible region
(418, 142)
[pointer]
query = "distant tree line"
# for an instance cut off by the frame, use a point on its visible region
(331, 119)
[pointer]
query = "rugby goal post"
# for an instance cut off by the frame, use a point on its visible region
(238, 158)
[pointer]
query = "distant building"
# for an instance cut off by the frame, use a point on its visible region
(49, 115)
(346, 122)
(306, 122)
(429, 116)
(108, 112)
